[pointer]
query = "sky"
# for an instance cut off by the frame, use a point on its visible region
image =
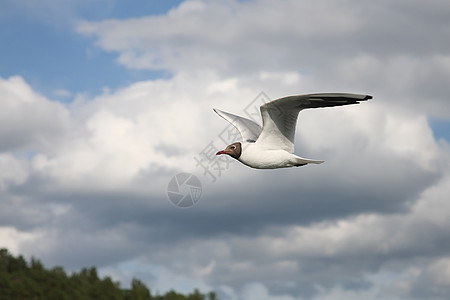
(105, 102)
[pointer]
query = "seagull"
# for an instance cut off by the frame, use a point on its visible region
(272, 146)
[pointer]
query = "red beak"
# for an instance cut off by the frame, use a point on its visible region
(221, 152)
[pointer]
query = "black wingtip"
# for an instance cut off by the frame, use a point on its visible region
(367, 97)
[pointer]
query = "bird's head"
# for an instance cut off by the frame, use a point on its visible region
(234, 150)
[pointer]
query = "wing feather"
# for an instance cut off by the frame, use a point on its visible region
(280, 116)
(248, 129)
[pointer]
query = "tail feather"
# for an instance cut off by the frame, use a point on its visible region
(303, 161)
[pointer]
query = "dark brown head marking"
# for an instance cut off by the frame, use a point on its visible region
(234, 150)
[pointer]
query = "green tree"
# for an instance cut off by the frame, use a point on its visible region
(139, 290)
(172, 295)
(19, 280)
(196, 295)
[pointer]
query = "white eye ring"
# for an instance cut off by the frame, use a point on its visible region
(233, 147)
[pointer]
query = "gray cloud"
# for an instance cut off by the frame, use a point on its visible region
(77, 211)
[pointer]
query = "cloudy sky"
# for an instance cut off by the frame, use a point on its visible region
(103, 102)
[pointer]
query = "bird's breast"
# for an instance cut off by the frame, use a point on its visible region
(256, 157)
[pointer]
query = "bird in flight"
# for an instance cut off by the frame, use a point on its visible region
(272, 146)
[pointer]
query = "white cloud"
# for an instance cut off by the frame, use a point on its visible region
(12, 239)
(198, 33)
(348, 50)
(403, 81)
(27, 119)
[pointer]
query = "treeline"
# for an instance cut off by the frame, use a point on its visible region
(22, 280)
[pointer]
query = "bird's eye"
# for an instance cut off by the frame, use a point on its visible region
(233, 147)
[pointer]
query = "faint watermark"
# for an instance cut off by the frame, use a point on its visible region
(213, 166)
(184, 190)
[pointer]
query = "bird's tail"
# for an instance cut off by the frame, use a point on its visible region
(311, 161)
(303, 161)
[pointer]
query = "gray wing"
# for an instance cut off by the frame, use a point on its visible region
(248, 129)
(280, 116)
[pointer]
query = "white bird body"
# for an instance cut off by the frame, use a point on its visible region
(256, 157)
(272, 146)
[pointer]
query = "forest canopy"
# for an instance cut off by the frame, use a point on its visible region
(20, 279)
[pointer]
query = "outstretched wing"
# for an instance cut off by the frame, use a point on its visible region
(280, 116)
(248, 129)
